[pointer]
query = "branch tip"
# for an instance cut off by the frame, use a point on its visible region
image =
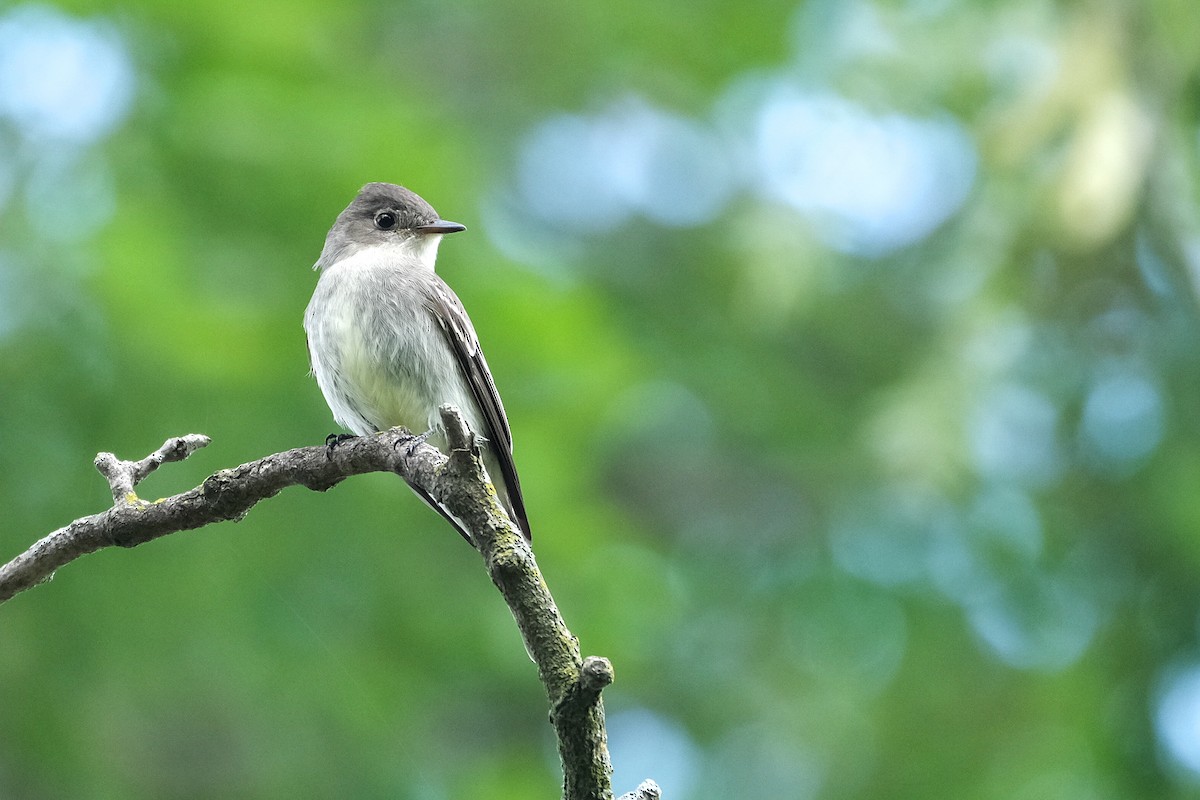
(646, 790)
(180, 447)
(458, 433)
(596, 673)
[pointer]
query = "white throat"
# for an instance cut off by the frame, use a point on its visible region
(422, 248)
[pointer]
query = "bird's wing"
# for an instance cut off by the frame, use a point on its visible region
(460, 333)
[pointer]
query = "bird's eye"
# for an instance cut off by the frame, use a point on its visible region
(385, 221)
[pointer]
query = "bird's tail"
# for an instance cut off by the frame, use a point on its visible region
(516, 511)
(454, 521)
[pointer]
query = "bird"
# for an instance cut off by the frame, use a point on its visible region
(389, 342)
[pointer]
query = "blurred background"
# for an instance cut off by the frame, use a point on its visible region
(850, 350)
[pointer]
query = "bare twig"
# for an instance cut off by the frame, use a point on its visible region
(573, 685)
(124, 475)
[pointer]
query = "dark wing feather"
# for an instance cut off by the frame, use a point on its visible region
(460, 333)
(427, 498)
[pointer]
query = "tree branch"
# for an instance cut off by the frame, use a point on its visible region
(573, 685)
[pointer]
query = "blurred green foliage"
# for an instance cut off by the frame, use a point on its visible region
(849, 349)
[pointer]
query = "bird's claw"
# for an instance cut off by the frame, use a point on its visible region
(333, 440)
(412, 441)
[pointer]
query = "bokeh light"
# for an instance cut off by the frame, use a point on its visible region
(1177, 717)
(62, 78)
(849, 349)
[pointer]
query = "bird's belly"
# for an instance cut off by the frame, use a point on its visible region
(381, 374)
(380, 362)
(382, 397)
(363, 356)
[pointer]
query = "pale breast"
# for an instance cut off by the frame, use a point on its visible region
(378, 355)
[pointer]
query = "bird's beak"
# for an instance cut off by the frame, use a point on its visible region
(442, 226)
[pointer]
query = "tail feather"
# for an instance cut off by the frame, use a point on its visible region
(428, 500)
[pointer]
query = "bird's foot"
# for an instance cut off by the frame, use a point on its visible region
(333, 440)
(412, 441)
